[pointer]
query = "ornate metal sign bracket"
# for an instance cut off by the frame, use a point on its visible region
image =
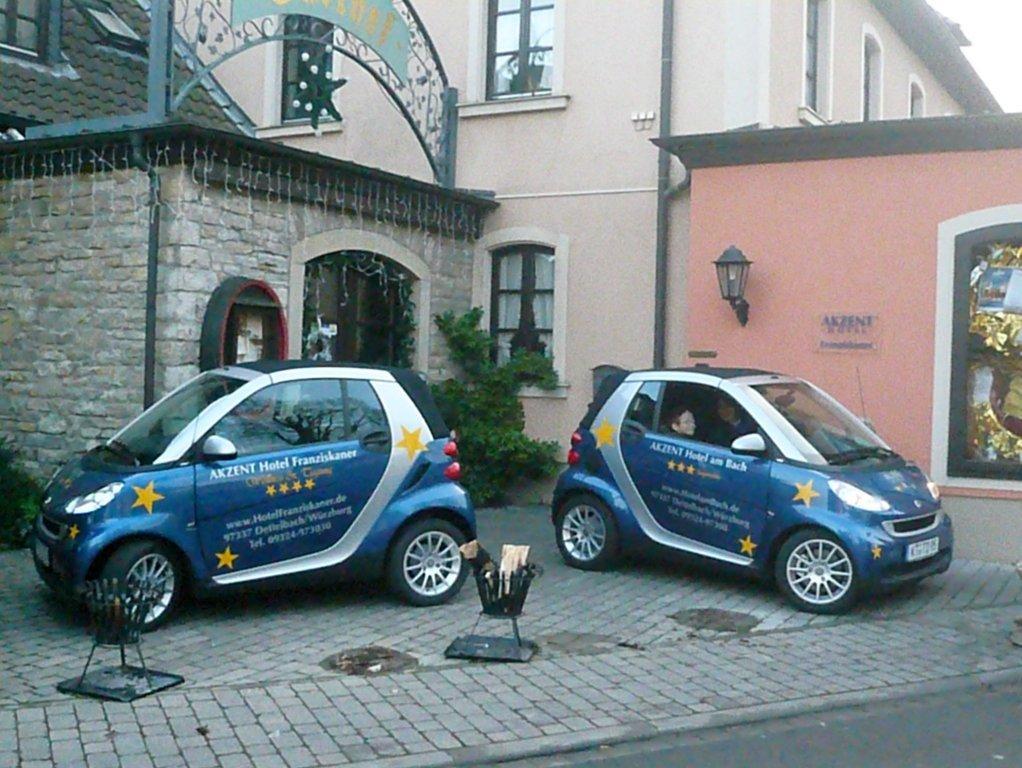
(384, 37)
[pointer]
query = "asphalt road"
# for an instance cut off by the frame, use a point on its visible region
(954, 730)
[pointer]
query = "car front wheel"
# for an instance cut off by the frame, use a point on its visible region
(587, 534)
(425, 566)
(153, 563)
(814, 571)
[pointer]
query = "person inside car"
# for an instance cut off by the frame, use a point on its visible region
(682, 422)
(729, 423)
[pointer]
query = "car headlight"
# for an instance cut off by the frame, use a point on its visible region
(90, 502)
(934, 490)
(858, 498)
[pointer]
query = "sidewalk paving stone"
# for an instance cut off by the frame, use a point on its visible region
(254, 680)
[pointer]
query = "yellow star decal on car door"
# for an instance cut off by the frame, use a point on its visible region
(225, 559)
(146, 497)
(411, 441)
(604, 434)
(805, 493)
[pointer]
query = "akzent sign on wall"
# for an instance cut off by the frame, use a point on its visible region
(374, 22)
(844, 332)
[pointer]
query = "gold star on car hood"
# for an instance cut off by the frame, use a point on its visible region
(805, 493)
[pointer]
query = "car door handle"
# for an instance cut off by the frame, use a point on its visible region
(375, 440)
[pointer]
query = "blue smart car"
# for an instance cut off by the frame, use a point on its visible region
(266, 471)
(753, 470)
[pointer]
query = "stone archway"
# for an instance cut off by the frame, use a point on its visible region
(309, 250)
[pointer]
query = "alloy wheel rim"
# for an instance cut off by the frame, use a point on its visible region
(154, 569)
(819, 571)
(432, 563)
(583, 532)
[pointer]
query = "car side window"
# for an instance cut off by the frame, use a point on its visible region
(364, 413)
(642, 411)
(287, 415)
(703, 413)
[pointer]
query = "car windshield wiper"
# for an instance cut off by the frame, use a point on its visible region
(858, 454)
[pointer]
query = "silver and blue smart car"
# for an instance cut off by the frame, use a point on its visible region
(262, 472)
(749, 470)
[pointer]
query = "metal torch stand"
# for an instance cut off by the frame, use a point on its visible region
(118, 615)
(505, 606)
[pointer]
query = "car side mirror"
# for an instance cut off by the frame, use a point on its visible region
(749, 445)
(217, 448)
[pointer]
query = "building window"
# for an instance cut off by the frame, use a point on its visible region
(985, 419)
(812, 94)
(299, 59)
(520, 58)
(917, 101)
(871, 79)
(111, 27)
(522, 301)
(23, 25)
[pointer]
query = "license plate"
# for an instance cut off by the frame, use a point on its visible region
(921, 550)
(42, 553)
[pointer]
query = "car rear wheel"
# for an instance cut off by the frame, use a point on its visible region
(814, 571)
(153, 562)
(425, 566)
(587, 534)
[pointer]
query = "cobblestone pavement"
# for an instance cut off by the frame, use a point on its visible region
(613, 664)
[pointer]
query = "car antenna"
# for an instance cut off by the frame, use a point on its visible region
(862, 400)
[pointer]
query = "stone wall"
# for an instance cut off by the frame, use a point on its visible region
(72, 311)
(73, 280)
(210, 234)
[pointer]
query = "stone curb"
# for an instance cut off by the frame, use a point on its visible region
(545, 746)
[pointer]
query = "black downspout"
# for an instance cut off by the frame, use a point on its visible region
(663, 188)
(152, 262)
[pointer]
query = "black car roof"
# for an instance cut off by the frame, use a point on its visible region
(412, 383)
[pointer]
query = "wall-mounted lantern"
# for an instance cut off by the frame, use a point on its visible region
(732, 274)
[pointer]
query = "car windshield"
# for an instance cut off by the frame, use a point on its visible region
(144, 441)
(838, 436)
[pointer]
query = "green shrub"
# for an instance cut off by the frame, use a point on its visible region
(482, 406)
(19, 499)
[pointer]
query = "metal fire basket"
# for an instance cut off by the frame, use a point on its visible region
(118, 614)
(499, 602)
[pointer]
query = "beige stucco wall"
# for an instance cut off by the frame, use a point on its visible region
(577, 165)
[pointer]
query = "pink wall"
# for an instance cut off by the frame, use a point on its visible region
(856, 236)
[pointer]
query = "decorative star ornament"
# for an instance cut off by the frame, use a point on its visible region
(321, 97)
(72, 532)
(225, 559)
(146, 497)
(748, 545)
(805, 493)
(877, 551)
(604, 434)
(411, 441)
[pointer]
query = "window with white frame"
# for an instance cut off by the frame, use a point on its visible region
(872, 78)
(817, 51)
(917, 100)
(522, 300)
(301, 61)
(23, 26)
(520, 48)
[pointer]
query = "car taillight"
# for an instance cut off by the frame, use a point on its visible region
(453, 471)
(576, 438)
(451, 449)
(574, 457)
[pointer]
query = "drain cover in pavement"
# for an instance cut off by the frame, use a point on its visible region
(369, 662)
(580, 643)
(716, 620)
